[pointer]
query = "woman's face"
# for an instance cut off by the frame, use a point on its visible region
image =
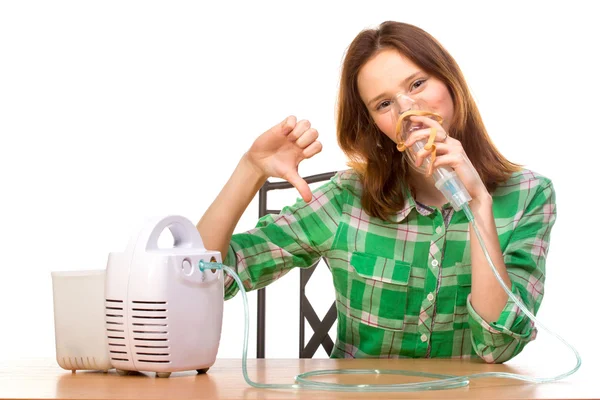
(390, 73)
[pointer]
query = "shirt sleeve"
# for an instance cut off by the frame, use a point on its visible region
(296, 237)
(525, 259)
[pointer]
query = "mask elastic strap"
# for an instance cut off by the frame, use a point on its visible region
(430, 145)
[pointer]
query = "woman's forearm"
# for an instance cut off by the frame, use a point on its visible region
(220, 219)
(488, 298)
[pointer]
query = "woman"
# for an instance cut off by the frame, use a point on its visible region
(409, 281)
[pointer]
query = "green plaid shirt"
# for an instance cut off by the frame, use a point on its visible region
(402, 290)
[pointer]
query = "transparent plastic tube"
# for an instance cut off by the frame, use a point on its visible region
(439, 381)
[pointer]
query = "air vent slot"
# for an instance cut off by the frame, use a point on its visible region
(150, 331)
(115, 330)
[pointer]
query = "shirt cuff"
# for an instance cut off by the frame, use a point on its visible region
(231, 288)
(503, 331)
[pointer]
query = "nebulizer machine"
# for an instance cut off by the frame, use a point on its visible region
(144, 283)
(151, 310)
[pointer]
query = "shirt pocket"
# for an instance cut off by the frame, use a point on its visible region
(378, 290)
(463, 289)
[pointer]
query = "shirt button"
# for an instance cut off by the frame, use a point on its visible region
(438, 230)
(423, 338)
(434, 263)
(430, 297)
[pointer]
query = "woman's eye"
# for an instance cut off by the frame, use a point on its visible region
(383, 104)
(417, 84)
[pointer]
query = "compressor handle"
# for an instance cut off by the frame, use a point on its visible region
(185, 233)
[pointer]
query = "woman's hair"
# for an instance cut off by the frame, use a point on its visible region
(382, 168)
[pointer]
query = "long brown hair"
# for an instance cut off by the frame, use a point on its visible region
(383, 169)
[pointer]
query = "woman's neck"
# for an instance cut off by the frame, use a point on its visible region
(425, 191)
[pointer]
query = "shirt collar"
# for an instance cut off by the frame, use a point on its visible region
(411, 204)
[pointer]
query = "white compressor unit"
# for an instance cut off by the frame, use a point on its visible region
(162, 314)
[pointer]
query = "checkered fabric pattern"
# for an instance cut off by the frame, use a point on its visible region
(402, 289)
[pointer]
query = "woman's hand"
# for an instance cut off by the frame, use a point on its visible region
(449, 153)
(278, 151)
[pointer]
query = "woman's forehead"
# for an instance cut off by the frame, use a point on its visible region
(386, 70)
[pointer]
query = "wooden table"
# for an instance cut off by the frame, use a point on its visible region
(44, 379)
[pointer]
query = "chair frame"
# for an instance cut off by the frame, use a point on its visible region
(307, 313)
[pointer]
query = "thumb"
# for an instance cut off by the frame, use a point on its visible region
(301, 185)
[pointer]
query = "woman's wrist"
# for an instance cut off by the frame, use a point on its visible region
(481, 201)
(247, 164)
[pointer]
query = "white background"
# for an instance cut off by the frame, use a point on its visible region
(111, 112)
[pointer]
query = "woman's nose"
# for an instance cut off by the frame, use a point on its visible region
(404, 103)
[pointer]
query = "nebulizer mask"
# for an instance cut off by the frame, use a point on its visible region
(446, 180)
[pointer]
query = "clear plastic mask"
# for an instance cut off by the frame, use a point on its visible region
(402, 108)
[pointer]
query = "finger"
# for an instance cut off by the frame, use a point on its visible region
(443, 148)
(449, 146)
(429, 122)
(423, 134)
(285, 127)
(301, 127)
(421, 155)
(453, 160)
(307, 138)
(301, 185)
(312, 149)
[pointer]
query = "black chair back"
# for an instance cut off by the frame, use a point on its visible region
(307, 313)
